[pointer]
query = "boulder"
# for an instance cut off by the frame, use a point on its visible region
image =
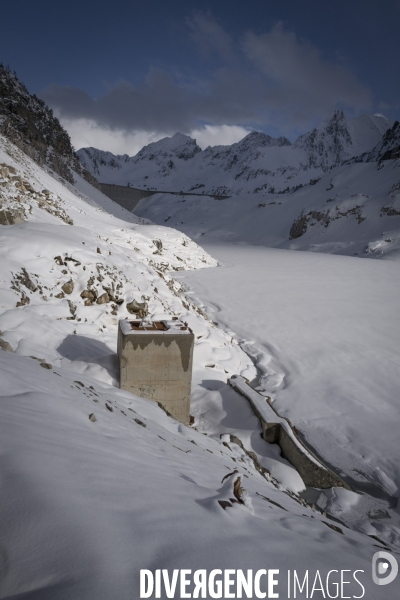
(103, 299)
(88, 294)
(68, 287)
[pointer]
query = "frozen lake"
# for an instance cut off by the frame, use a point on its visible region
(325, 331)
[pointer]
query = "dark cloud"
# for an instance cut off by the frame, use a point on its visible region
(210, 38)
(264, 79)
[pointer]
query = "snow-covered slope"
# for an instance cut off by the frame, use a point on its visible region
(86, 503)
(256, 164)
(352, 209)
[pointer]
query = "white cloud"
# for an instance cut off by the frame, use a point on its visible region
(85, 133)
(218, 135)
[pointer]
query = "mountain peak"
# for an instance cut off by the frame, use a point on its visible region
(338, 138)
(179, 146)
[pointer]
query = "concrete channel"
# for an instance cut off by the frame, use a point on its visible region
(277, 430)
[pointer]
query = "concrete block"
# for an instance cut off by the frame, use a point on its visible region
(156, 363)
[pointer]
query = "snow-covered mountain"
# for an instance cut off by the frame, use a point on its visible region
(353, 209)
(335, 204)
(339, 138)
(256, 164)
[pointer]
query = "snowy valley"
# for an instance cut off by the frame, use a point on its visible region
(98, 483)
(335, 190)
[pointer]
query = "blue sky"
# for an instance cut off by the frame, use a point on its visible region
(122, 73)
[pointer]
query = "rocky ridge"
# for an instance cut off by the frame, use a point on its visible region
(27, 122)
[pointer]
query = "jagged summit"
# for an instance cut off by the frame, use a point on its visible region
(30, 124)
(339, 138)
(179, 145)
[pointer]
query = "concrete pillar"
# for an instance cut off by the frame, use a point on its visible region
(156, 363)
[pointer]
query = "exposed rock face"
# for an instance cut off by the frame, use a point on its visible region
(326, 146)
(31, 125)
(390, 211)
(389, 147)
(326, 216)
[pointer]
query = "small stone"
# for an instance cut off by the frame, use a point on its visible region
(110, 408)
(139, 422)
(5, 346)
(24, 300)
(92, 417)
(88, 302)
(98, 251)
(68, 287)
(46, 365)
(224, 504)
(28, 187)
(334, 527)
(60, 295)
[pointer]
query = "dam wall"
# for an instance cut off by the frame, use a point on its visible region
(128, 197)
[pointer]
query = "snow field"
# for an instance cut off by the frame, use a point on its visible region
(97, 483)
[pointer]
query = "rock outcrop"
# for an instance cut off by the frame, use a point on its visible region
(27, 122)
